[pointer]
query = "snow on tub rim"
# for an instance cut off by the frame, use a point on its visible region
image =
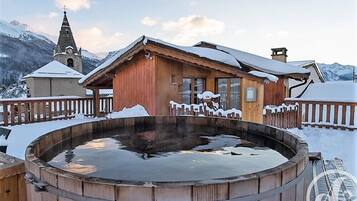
(293, 170)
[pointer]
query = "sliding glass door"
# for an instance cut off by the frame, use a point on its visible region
(190, 88)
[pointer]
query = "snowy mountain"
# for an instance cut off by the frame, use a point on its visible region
(336, 71)
(23, 51)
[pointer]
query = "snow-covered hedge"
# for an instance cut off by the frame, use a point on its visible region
(280, 108)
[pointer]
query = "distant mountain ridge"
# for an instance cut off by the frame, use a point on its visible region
(336, 71)
(23, 51)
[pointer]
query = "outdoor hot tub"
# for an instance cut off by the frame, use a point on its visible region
(169, 158)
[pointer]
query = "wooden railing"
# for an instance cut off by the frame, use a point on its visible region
(327, 114)
(200, 110)
(19, 111)
(282, 117)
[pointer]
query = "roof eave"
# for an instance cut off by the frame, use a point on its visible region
(140, 45)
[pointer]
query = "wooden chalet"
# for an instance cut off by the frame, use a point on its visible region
(151, 73)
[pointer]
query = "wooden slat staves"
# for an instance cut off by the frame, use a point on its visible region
(70, 108)
(50, 110)
(65, 109)
(32, 116)
(343, 114)
(82, 103)
(78, 106)
(87, 106)
(352, 115)
(335, 114)
(44, 110)
(307, 107)
(19, 113)
(6, 114)
(299, 115)
(313, 114)
(328, 113)
(38, 113)
(55, 113)
(26, 112)
(12, 110)
(107, 107)
(74, 111)
(320, 114)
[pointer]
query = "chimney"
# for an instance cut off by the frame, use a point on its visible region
(279, 54)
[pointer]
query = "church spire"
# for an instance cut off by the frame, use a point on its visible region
(65, 39)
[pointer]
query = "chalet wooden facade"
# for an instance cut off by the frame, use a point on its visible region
(151, 72)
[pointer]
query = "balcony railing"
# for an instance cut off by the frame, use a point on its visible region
(329, 114)
(283, 116)
(29, 110)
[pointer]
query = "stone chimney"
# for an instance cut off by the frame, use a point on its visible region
(279, 54)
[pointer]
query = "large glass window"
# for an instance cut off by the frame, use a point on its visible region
(186, 90)
(229, 89)
(190, 88)
(235, 93)
(222, 85)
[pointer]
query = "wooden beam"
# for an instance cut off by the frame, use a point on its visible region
(96, 101)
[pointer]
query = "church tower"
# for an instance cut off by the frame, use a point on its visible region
(66, 51)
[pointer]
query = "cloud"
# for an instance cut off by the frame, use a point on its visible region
(187, 30)
(52, 14)
(193, 3)
(240, 31)
(279, 33)
(149, 21)
(73, 5)
(95, 40)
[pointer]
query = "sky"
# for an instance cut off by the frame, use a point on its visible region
(322, 30)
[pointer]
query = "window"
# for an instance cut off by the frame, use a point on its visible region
(229, 89)
(70, 62)
(190, 88)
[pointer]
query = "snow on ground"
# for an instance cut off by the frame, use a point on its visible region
(22, 135)
(332, 143)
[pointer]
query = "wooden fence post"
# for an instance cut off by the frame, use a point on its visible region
(5, 114)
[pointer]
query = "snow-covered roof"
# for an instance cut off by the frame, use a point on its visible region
(302, 63)
(55, 69)
(101, 92)
(306, 64)
(268, 76)
(340, 91)
(261, 63)
(208, 53)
